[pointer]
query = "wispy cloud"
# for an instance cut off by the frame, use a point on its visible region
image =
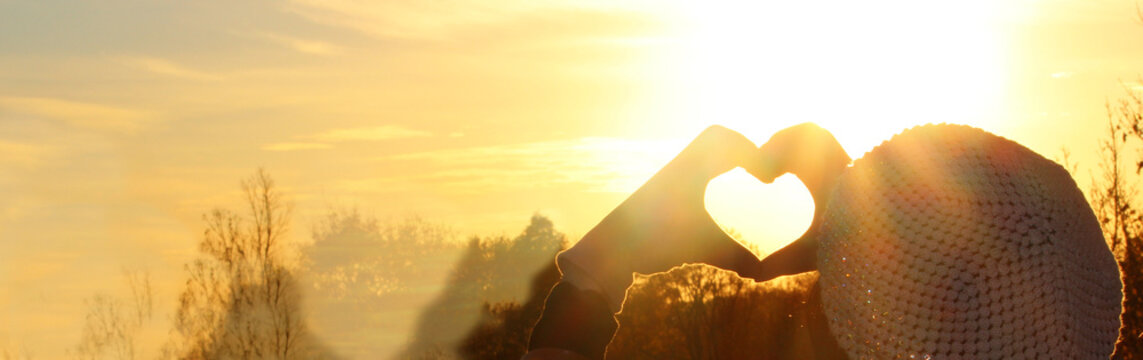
(312, 47)
(326, 139)
(376, 133)
(430, 20)
(167, 68)
(81, 114)
(292, 146)
(22, 154)
(401, 19)
(597, 164)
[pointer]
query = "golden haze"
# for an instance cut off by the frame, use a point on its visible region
(122, 122)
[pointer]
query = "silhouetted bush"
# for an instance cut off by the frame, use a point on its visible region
(702, 312)
(505, 327)
(1114, 196)
(482, 299)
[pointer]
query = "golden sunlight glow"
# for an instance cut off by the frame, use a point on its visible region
(768, 216)
(865, 71)
(120, 129)
(877, 68)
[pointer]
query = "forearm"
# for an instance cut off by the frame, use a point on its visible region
(628, 239)
(576, 320)
(661, 225)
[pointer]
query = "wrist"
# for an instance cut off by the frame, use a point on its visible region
(574, 320)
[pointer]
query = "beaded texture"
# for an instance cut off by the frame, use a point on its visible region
(948, 242)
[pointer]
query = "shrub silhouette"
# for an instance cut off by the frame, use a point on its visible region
(702, 312)
(1114, 196)
(482, 297)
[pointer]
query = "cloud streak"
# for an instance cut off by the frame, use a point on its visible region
(326, 139)
(306, 46)
(80, 114)
(167, 68)
(376, 133)
(401, 19)
(292, 146)
(595, 164)
(411, 19)
(22, 154)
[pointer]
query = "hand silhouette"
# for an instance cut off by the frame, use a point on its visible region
(813, 155)
(665, 224)
(661, 225)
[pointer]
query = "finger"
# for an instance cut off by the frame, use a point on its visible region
(764, 166)
(701, 241)
(796, 258)
(775, 154)
(729, 254)
(718, 150)
(805, 150)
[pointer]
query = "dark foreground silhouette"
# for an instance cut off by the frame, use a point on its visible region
(665, 224)
(944, 241)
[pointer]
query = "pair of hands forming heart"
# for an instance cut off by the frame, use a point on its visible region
(665, 224)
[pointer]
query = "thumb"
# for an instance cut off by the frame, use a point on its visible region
(733, 256)
(715, 247)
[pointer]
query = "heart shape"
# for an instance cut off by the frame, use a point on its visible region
(668, 222)
(765, 217)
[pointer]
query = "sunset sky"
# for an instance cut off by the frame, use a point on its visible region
(123, 121)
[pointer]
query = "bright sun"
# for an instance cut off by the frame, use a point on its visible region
(863, 70)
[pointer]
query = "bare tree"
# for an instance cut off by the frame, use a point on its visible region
(241, 298)
(112, 324)
(19, 353)
(1114, 199)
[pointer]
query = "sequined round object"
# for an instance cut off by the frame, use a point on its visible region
(948, 242)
